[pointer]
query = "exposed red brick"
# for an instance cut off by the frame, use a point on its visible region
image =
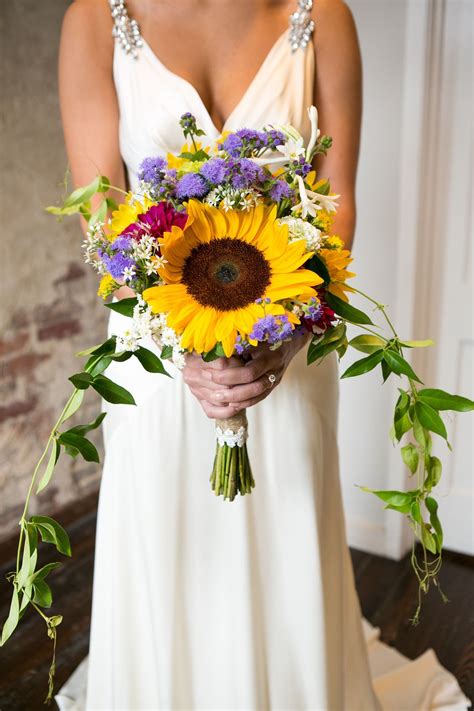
(8, 345)
(60, 329)
(75, 271)
(22, 364)
(14, 409)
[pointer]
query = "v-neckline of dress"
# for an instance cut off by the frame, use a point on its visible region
(185, 82)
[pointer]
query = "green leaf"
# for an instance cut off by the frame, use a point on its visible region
(348, 312)
(410, 457)
(166, 352)
(100, 214)
(98, 364)
(123, 306)
(432, 506)
(417, 344)
(416, 512)
(81, 381)
(393, 498)
(197, 156)
(367, 343)
(112, 205)
(48, 472)
(84, 429)
(42, 594)
(427, 539)
(364, 365)
(13, 616)
(316, 265)
(430, 419)
(81, 195)
(42, 572)
(323, 189)
(104, 184)
(402, 425)
(399, 365)
(319, 350)
(341, 347)
(150, 361)
(25, 563)
(420, 433)
(107, 346)
(214, 354)
(112, 392)
(402, 404)
(441, 400)
(385, 371)
(434, 472)
(82, 444)
(74, 405)
(52, 532)
(335, 334)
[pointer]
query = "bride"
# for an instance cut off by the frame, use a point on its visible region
(201, 604)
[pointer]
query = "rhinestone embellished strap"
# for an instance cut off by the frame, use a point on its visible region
(301, 25)
(125, 29)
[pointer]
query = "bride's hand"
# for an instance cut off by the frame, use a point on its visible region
(227, 385)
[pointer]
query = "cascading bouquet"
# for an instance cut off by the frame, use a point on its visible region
(228, 246)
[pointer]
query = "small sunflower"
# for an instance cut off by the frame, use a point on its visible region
(336, 261)
(219, 265)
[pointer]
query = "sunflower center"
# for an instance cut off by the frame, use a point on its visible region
(226, 274)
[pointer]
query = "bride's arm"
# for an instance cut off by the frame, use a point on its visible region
(338, 97)
(88, 100)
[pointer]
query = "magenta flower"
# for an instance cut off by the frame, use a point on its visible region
(156, 221)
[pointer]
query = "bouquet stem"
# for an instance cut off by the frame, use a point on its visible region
(231, 473)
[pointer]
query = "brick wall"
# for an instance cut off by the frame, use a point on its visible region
(48, 306)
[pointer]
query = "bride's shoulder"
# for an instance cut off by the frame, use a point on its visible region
(334, 24)
(332, 15)
(88, 23)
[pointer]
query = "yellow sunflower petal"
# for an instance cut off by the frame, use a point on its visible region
(228, 343)
(163, 298)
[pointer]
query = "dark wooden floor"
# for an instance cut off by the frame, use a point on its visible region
(387, 590)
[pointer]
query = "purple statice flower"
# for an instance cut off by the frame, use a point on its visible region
(280, 190)
(151, 169)
(191, 185)
(241, 345)
(275, 138)
(232, 145)
(214, 170)
(272, 329)
(300, 167)
(245, 173)
(313, 310)
(116, 257)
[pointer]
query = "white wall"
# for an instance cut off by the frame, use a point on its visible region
(413, 250)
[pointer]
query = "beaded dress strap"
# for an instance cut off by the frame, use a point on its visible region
(125, 29)
(301, 25)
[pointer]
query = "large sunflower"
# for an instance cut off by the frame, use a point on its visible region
(219, 265)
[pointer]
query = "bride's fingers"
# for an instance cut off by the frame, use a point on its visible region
(217, 413)
(243, 393)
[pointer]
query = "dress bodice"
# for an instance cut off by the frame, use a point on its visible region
(152, 98)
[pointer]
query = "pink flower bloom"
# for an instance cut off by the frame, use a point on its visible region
(156, 221)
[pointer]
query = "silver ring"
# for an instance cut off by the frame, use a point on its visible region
(272, 379)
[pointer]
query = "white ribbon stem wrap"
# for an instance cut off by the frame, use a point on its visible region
(233, 431)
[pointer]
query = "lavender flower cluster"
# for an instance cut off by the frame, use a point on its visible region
(233, 169)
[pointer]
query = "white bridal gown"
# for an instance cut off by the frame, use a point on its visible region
(205, 604)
